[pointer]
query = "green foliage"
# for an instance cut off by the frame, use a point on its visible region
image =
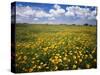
(55, 47)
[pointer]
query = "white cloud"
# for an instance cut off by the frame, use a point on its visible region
(24, 11)
(40, 14)
(91, 17)
(83, 13)
(36, 19)
(27, 12)
(94, 13)
(57, 6)
(57, 10)
(51, 18)
(54, 15)
(69, 13)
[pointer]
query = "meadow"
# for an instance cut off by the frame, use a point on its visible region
(55, 47)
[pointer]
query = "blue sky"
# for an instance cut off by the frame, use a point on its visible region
(54, 13)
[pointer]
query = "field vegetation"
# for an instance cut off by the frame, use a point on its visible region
(55, 47)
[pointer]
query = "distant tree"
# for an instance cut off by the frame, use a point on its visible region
(86, 24)
(46, 24)
(90, 25)
(73, 24)
(25, 23)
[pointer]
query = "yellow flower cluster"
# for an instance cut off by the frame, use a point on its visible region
(56, 59)
(55, 48)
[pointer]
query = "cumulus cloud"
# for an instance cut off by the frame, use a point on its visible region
(24, 11)
(36, 19)
(68, 13)
(57, 10)
(57, 14)
(57, 6)
(28, 12)
(40, 13)
(51, 18)
(77, 11)
(92, 15)
(94, 12)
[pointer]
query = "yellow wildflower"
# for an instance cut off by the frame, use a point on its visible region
(90, 56)
(65, 58)
(94, 60)
(19, 58)
(44, 65)
(75, 62)
(74, 57)
(45, 49)
(56, 67)
(39, 67)
(80, 60)
(30, 69)
(33, 62)
(87, 65)
(86, 56)
(74, 66)
(69, 60)
(25, 57)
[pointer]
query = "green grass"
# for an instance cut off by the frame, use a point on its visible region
(55, 47)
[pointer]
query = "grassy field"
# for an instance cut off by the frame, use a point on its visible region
(55, 47)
